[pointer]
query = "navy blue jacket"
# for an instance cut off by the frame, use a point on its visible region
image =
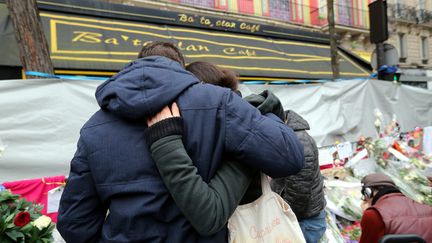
(112, 170)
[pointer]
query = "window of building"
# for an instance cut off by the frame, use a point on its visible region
(344, 12)
(265, 7)
(245, 6)
(398, 8)
(421, 11)
(280, 9)
(421, 4)
(299, 10)
(424, 49)
(402, 47)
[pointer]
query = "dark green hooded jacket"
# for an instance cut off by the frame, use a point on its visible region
(207, 206)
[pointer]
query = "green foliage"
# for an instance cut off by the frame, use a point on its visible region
(10, 206)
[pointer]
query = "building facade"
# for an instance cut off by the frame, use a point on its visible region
(410, 21)
(98, 38)
(291, 23)
(410, 29)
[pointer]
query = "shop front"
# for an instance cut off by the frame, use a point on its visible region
(99, 40)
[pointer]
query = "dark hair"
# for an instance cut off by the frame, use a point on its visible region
(383, 190)
(212, 74)
(165, 49)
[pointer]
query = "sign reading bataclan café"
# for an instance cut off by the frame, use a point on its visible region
(82, 41)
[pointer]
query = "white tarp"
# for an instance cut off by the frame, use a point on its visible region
(40, 119)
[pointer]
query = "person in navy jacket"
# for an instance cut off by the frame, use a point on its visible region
(114, 192)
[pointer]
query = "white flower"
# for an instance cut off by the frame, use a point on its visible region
(377, 123)
(2, 147)
(378, 114)
(42, 222)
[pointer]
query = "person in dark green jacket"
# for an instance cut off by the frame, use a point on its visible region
(207, 206)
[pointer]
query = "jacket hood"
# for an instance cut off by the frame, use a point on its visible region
(295, 121)
(267, 102)
(144, 87)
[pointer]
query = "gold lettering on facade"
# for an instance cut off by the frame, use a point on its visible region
(87, 37)
(203, 48)
(191, 47)
(112, 41)
(136, 42)
(225, 24)
(96, 38)
(229, 51)
(239, 52)
(184, 18)
(250, 27)
(205, 21)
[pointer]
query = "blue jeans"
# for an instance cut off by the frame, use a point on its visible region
(314, 228)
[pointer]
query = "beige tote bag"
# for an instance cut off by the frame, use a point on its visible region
(269, 219)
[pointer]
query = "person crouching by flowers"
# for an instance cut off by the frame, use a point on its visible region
(388, 211)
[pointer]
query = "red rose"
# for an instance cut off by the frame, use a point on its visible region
(21, 219)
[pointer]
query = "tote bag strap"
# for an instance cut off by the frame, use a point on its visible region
(265, 184)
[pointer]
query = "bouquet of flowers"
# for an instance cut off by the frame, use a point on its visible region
(332, 233)
(344, 198)
(21, 221)
(410, 181)
(405, 164)
(352, 233)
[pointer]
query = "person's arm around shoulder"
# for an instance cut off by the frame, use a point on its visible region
(260, 141)
(81, 214)
(206, 206)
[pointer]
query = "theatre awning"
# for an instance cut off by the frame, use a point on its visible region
(95, 43)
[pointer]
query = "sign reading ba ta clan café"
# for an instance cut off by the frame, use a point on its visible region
(95, 43)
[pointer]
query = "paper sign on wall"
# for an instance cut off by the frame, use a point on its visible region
(325, 155)
(54, 196)
(344, 150)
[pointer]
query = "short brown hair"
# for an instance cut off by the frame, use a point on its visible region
(165, 49)
(212, 74)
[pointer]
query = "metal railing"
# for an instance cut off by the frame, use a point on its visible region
(401, 11)
(194, 3)
(424, 16)
(409, 13)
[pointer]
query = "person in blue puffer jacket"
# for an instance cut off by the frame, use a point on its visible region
(114, 192)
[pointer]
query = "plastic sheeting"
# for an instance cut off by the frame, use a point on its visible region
(41, 119)
(343, 111)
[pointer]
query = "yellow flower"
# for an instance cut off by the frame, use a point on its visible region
(42, 222)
